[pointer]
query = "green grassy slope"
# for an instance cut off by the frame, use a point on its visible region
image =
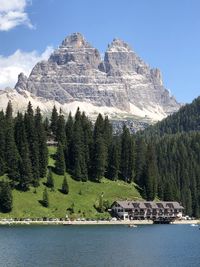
(82, 196)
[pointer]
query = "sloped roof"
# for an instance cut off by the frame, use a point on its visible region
(148, 204)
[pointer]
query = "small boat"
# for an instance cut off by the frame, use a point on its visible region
(193, 224)
(132, 225)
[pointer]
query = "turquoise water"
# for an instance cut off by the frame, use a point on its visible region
(97, 246)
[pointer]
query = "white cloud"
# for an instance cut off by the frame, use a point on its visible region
(12, 14)
(18, 62)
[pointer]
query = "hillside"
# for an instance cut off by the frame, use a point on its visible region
(176, 141)
(185, 120)
(82, 197)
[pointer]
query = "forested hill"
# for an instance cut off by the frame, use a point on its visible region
(185, 120)
(176, 141)
(164, 166)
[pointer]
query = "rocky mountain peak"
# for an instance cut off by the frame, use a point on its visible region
(22, 82)
(75, 40)
(118, 45)
(75, 49)
(120, 58)
(122, 81)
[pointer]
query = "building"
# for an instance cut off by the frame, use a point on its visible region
(141, 210)
(52, 142)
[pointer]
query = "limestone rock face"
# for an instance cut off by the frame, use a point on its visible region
(76, 72)
(22, 82)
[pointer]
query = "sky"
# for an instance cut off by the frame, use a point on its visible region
(164, 33)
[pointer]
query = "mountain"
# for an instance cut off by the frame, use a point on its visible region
(120, 85)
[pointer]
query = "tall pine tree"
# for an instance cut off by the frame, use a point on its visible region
(6, 199)
(60, 160)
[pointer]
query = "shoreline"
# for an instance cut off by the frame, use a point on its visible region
(66, 223)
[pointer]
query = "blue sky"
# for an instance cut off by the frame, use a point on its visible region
(166, 34)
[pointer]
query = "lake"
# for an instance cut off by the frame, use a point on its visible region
(97, 246)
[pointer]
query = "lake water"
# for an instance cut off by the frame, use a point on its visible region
(97, 246)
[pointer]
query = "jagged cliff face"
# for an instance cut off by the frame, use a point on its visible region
(76, 72)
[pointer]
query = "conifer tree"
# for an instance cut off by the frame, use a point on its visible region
(87, 142)
(113, 163)
(68, 146)
(107, 135)
(2, 144)
(125, 150)
(99, 150)
(60, 131)
(6, 199)
(78, 160)
(11, 153)
(42, 143)
(168, 192)
(25, 167)
(65, 187)
(54, 120)
(99, 159)
(47, 129)
(131, 165)
(45, 199)
(50, 180)
(99, 127)
(32, 138)
(107, 132)
(140, 160)
(2, 166)
(9, 111)
(69, 127)
(60, 160)
(151, 173)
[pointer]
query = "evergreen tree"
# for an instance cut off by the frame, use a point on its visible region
(6, 199)
(99, 127)
(131, 164)
(54, 120)
(60, 131)
(11, 155)
(9, 111)
(125, 151)
(50, 180)
(107, 135)
(45, 199)
(87, 142)
(68, 147)
(32, 138)
(140, 160)
(65, 187)
(107, 132)
(79, 166)
(101, 204)
(113, 162)
(99, 159)
(168, 192)
(60, 160)
(2, 166)
(47, 129)
(151, 173)
(2, 144)
(99, 151)
(69, 127)
(41, 137)
(25, 167)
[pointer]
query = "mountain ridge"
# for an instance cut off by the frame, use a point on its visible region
(121, 84)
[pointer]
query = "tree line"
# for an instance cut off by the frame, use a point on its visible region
(164, 166)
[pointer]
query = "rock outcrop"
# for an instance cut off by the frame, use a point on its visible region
(75, 72)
